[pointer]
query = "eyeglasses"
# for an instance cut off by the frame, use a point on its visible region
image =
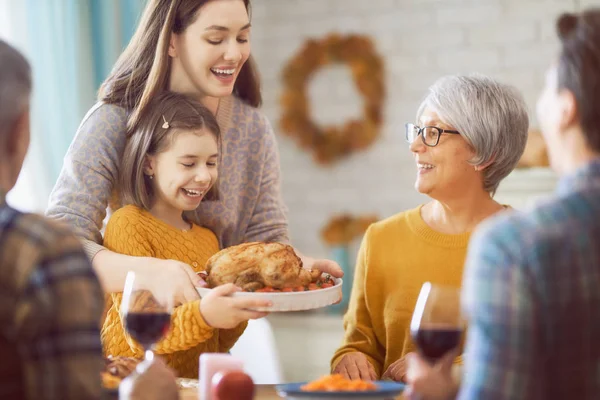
(429, 134)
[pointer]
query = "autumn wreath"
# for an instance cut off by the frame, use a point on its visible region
(333, 142)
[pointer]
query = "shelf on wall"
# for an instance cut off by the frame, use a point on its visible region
(525, 186)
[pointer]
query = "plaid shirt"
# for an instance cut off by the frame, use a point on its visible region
(532, 296)
(50, 308)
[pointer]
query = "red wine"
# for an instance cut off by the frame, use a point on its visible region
(147, 328)
(435, 341)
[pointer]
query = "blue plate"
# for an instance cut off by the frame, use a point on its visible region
(385, 390)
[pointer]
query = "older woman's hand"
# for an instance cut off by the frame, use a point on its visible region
(431, 382)
(356, 366)
(328, 266)
(397, 370)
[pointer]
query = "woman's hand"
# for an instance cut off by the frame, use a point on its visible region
(397, 370)
(180, 276)
(222, 311)
(431, 382)
(328, 266)
(161, 277)
(356, 366)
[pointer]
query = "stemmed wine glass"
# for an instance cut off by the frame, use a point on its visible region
(437, 323)
(147, 316)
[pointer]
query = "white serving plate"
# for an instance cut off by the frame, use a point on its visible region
(293, 301)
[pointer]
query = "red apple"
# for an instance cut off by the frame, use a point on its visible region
(232, 385)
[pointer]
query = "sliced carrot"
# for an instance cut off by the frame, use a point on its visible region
(338, 383)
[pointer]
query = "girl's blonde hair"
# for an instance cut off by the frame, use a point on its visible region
(165, 116)
(143, 68)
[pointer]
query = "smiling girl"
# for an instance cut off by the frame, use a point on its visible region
(200, 48)
(169, 166)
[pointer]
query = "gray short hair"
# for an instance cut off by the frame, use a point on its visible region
(15, 86)
(491, 117)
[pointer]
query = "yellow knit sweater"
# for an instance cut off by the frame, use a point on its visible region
(396, 257)
(136, 232)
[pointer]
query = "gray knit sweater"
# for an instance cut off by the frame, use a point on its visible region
(250, 207)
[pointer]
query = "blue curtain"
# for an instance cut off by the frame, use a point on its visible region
(72, 45)
(110, 35)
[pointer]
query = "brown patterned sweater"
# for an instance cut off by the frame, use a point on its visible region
(250, 206)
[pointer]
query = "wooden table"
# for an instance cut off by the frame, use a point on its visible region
(262, 392)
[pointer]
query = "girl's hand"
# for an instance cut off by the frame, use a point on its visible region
(180, 276)
(220, 310)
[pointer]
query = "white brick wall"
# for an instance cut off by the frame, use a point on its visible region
(421, 40)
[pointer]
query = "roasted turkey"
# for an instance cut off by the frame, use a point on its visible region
(255, 265)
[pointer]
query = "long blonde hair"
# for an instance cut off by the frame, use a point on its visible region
(167, 114)
(143, 68)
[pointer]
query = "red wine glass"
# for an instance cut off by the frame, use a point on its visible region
(146, 315)
(437, 323)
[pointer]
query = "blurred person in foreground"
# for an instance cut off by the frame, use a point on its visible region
(532, 279)
(471, 133)
(50, 298)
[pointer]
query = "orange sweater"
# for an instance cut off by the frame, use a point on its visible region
(396, 257)
(136, 232)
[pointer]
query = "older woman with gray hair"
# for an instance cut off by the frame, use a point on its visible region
(469, 134)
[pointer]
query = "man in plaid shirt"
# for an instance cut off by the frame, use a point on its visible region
(532, 281)
(50, 299)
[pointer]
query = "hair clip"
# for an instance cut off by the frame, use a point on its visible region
(166, 124)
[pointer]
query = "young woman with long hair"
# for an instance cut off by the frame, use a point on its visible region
(200, 48)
